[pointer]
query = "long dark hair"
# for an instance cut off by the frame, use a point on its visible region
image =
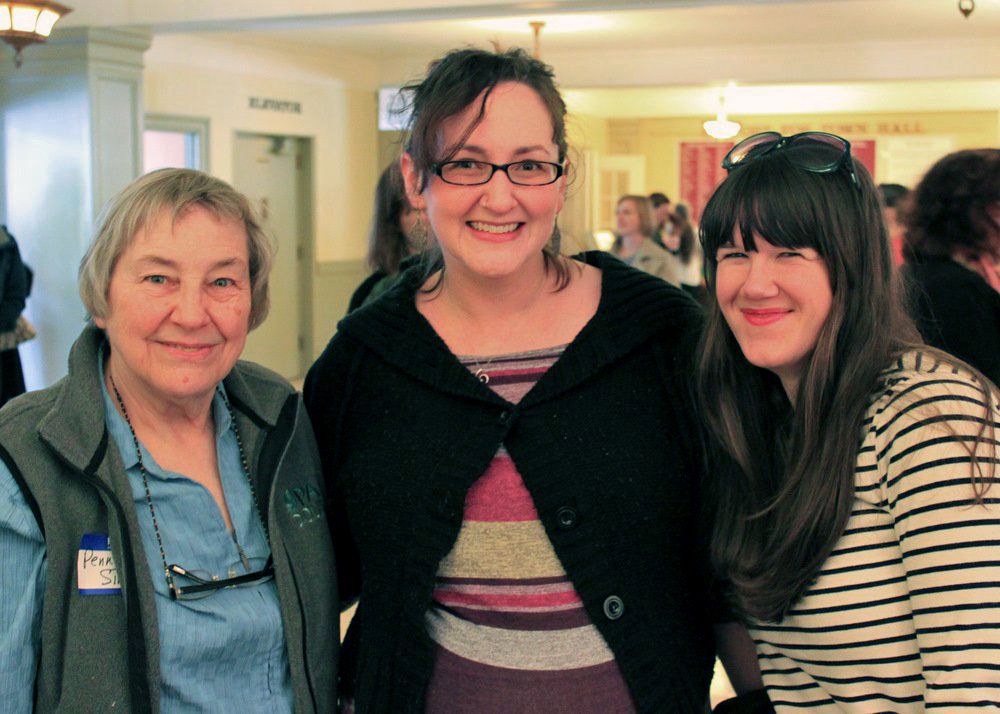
(387, 244)
(452, 84)
(780, 513)
(682, 226)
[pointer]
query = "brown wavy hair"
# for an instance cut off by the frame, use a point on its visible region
(452, 84)
(949, 209)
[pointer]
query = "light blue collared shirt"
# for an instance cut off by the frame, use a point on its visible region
(222, 653)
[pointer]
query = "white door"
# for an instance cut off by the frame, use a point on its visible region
(618, 175)
(271, 171)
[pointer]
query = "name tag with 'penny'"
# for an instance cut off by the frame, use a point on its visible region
(96, 573)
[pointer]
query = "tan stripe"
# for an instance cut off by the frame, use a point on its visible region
(519, 649)
(512, 550)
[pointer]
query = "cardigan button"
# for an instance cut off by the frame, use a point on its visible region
(613, 607)
(505, 416)
(567, 518)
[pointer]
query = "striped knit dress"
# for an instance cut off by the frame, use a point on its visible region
(904, 616)
(510, 630)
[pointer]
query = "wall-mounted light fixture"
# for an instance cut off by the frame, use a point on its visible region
(721, 127)
(25, 22)
(966, 7)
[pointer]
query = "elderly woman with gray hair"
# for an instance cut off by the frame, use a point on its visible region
(163, 546)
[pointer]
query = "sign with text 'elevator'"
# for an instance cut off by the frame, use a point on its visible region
(275, 105)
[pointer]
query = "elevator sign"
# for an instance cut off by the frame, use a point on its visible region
(275, 105)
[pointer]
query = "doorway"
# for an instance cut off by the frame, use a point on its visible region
(274, 172)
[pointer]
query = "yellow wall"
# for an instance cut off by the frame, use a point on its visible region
(658, 139)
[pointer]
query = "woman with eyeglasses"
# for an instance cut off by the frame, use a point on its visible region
(857, 519)
(163, 545)
(519, 533)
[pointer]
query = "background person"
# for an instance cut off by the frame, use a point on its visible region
(634, 242)
(682, 244)
(867, 572)
(15, 285)
(397, 232)
(522, 535)
(952, 249)
(161, 506)
(894, 199)
(661, 215)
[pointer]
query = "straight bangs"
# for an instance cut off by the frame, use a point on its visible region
(770, 198)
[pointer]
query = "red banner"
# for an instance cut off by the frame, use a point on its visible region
(701, 172)
(864, 151)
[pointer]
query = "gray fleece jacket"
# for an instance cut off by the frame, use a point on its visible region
(55, 443)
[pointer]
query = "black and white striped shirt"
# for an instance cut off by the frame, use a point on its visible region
(905, 613)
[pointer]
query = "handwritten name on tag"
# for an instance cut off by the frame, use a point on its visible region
(96, 573)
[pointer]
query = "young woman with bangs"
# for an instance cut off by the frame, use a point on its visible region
(855, 525)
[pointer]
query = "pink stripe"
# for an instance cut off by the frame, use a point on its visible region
(499, 495)
(447, 597)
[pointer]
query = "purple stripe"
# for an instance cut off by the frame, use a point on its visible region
(461, 686)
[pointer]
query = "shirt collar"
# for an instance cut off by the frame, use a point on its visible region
(119, 429)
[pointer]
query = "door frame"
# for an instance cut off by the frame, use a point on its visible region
(305, 246)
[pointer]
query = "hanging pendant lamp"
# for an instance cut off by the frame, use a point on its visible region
(25, 22)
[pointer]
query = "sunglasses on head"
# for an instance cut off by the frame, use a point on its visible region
(815, 151)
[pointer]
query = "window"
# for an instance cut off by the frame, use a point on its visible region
(174, 142)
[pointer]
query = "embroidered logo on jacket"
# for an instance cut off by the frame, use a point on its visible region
(304, 504)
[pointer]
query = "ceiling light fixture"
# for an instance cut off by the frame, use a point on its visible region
(25, 22)
(721, 127)
(536, 31)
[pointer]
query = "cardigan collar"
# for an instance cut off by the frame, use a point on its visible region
(75, 426)
(634, 307)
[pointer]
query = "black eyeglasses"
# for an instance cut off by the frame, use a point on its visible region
(475, 173)
(815, 151)
(204, 584)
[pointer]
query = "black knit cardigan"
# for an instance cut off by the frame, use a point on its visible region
(607, 445)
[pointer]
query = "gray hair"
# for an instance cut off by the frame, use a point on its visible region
(176, 190)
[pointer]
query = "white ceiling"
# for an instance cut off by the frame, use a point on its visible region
(385, 28)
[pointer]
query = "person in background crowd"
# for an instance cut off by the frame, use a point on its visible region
(15, 285)
(162, 539)
(682, 244)
(867, 571)
(507, 438)
(396, 234)
(634, 242)
(894, 198)
(952, 248)
(661, 216)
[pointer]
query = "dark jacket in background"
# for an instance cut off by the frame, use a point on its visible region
(956, 310)
(606, 442)
(14, 284)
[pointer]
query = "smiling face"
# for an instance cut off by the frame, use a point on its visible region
(496, 230)
(178, 307)
(775, 301)
(627, 218)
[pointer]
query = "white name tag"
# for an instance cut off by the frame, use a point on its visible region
(96, 573)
